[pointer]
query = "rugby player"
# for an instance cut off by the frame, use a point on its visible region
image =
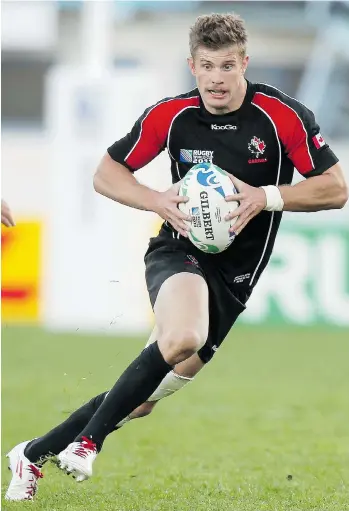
(259, 135)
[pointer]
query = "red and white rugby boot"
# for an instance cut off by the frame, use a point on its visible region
(25, 475)
(77, 459)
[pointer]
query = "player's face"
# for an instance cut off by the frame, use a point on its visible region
(220, 77)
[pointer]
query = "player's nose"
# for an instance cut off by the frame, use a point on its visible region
(217, 79)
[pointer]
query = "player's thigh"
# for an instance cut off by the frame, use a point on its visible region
(181, 314)
(182, 304)
(179, 295)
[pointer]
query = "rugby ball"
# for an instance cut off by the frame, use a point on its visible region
(207, 185)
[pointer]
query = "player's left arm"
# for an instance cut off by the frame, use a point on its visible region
(325, 191)
(324, 186)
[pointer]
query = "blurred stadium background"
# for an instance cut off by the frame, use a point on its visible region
(75, 76)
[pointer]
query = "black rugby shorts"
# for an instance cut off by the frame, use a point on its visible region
(167, 256)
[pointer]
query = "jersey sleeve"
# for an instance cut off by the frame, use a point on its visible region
(149, 134)
(141, 145)
(306, 147)
(299, 133)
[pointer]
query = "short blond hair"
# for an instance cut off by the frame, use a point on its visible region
(215, 31)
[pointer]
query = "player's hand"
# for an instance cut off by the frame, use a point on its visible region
(252, 201)
(167, 207)
(6, 215)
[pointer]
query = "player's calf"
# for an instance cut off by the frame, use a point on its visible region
(169, 385)
(77, 459)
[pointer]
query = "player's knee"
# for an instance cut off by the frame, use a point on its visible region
(179, 344)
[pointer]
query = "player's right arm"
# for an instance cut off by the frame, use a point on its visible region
(115, 181)
(114, 177)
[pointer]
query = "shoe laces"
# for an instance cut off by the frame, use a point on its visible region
(32, 486)
(85, 448)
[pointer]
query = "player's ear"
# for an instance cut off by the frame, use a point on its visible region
(191, 65)
(245, 62)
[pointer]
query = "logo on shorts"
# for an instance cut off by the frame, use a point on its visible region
(241, 278)
(195, 156)
(214, 348)
(192, 260)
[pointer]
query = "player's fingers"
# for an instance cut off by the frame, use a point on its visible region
(184, 225)
(176, 186)
(237, 230)
(179, 222)
(6, 215)
(237, 212)
(236, 182)
(180, 198)
(4, 221)
(236, 197)
(12, 222)
(179, 229)
(174, 214)
(183, 216)
(243, 220)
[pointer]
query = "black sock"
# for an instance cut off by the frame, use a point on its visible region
(133, 388)
(38, 450)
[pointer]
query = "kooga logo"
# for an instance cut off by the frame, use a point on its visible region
(224, 127)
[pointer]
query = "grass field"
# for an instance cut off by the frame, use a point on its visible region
(272, 404)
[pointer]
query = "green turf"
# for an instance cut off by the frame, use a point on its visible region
(273, 403)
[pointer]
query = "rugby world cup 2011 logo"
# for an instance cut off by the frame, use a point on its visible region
(186, 155)
(196, 156)
(207, 176)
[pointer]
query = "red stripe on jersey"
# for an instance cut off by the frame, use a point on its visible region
(154, 130)
(290, 128)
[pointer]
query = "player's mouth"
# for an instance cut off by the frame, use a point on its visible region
(217, 93)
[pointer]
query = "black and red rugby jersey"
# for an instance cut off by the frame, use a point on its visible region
(260, 143)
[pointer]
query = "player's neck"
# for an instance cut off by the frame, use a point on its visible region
(234, 104)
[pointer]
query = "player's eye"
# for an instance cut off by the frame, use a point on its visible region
(228, 67)
(207, 66)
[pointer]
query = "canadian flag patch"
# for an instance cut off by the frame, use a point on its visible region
(318, 141)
